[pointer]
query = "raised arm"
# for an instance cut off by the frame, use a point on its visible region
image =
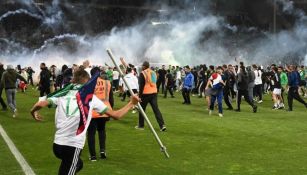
(123, 62)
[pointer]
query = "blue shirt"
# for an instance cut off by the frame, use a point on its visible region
(188, 81)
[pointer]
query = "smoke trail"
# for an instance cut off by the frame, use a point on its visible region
(183, 37)
(60, 37)
(31, 4)
(20, 11)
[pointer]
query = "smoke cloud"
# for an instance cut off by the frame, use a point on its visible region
(181, 37)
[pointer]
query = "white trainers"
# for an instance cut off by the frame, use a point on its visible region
(221, 115)
(15, 113)
(138, 128)
(260, 101)
(210, 112)
(163, 129)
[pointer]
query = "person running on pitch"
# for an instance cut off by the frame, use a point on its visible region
(133, 83)
(276, 83)
(217, 84)
(71, 125)
(169, 84)
(187, 86)
(283, 81)
(148, 94)
(8, 82)
(242, 80)
(103, 91)
(293, 83)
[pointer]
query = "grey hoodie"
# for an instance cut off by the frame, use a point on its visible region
(9, 78)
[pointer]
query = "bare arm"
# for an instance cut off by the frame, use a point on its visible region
(39, 105)
(208, 83)
(123, 62)
(118, 114)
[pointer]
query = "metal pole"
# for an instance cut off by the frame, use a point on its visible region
(162, 147)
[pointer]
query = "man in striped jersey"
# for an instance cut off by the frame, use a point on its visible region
(70, 123)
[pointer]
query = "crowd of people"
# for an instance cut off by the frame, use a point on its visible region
(215, 84)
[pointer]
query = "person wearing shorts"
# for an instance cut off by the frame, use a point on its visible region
(276, 83)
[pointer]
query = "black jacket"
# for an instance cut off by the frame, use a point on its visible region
(243, 81)
(44, 78)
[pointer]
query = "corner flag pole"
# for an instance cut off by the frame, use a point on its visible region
(162, 147)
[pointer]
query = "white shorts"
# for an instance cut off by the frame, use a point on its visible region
(277, 91)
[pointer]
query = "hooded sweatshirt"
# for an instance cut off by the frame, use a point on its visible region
(9, 78)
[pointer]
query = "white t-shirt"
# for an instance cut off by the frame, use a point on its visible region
(178, 75)
(67, 118)
(115, 75)
(258, 75)
(132, 81)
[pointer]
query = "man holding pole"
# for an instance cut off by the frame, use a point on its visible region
(148, 94)
(75, 104)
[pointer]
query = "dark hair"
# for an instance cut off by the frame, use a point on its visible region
(64, 67)
(146, 64)
(243, 69)
(95, 70)
(220, 67)
(129, 69)
(211, 67)
(79, 76)
(275, 69)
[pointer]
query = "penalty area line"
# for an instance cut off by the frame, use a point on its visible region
(20, 159)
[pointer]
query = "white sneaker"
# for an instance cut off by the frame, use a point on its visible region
(210, 112)
(220, 115)
(163, 129)
(138, 128)
(133, 111)
(260, 101)
(15, 113)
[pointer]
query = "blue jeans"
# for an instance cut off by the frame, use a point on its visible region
(10, 97)
(219, 97)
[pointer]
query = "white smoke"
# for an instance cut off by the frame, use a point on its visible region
(20, 11)
(178, 40)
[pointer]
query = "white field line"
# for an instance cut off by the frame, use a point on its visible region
(20, 159)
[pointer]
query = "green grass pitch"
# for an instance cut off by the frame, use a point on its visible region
(267, 143)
